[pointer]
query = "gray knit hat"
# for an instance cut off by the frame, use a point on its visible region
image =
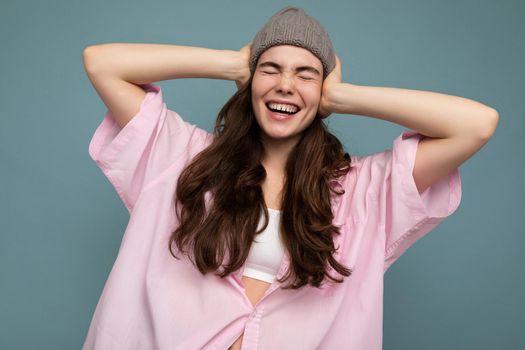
(292, 26)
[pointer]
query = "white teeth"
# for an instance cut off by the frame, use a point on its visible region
(283, 107)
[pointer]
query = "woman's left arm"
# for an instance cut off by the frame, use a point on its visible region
(455, 127)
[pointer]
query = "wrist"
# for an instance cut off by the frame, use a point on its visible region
(237, 68)
(340, 98)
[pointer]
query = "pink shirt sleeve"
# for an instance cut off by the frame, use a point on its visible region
(133, 156)
(405, 215)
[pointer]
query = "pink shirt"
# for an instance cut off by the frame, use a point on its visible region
(152, 301)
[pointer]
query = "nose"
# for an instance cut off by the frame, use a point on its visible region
(286, 84)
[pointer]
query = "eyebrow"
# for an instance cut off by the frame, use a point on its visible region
(297, 69)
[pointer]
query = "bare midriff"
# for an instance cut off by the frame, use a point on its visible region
(255, 290)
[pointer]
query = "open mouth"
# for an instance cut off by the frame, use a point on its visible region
(281, 112)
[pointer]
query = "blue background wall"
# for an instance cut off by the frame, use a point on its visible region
(460, 287)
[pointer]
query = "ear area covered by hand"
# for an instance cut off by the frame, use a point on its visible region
(244, 71)
(333, 78)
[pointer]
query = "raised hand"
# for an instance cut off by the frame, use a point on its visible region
(334, 78)
(244, 74)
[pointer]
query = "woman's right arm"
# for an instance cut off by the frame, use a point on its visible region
(115, 70)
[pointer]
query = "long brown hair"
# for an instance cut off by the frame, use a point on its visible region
(219, 198)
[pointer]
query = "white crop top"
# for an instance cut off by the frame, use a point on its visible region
(267, 250)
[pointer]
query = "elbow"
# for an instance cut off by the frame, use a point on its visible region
(90, 57)
(87, 58)
(489, 125)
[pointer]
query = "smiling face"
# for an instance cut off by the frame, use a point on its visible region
(290, 76)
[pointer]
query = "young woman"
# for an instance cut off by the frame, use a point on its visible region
(265, 234)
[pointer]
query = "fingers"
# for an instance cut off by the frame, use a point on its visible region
(337, 62)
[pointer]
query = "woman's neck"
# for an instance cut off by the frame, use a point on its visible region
(276, 153)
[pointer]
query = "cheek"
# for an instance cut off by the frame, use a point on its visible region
(311, 95)
(261, 84)
(316, 96)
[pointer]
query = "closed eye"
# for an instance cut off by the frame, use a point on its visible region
(303, 77)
